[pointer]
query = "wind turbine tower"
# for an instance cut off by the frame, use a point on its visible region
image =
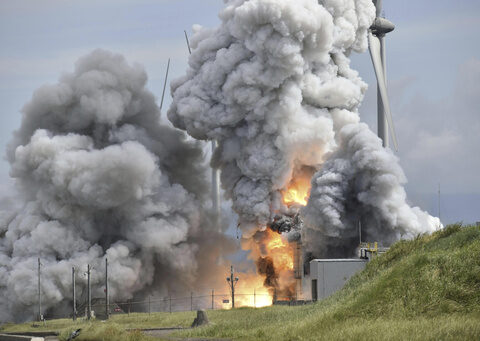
(376, 41)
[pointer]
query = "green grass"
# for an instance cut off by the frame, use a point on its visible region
(113, 329)
(423, 289)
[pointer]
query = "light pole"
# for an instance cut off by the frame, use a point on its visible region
(232, 281)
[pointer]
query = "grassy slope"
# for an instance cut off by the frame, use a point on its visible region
(424, 289)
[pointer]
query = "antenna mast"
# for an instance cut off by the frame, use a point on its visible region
(164, 86)
(188, 43)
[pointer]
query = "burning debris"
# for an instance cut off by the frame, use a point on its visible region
(285, 223)
(273, 256)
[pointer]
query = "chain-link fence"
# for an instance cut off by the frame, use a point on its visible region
(195, 301)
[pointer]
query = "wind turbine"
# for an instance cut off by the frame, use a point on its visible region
(215, 174)
(376, 42)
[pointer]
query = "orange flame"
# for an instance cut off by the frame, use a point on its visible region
(297, 192)
(278, 250)
(250, 292)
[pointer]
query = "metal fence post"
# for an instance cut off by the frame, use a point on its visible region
(213, 295)
(149, 306)
(191, 301)
(170, 305)
(254, 298)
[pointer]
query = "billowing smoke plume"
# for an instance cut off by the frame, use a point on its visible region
(99, 177)
(273, 85)
(360, 186)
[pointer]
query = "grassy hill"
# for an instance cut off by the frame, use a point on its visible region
(424, 289)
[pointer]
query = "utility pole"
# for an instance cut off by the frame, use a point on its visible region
(439, 210)
(106, 289)
(39, 293)
(360, 231)
(232, 281)
(74, 298)
(213, 295)
(89, 295)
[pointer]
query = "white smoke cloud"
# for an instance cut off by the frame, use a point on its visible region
(273, 85)
(99, 177)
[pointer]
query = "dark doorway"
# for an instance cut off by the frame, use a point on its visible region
(314, 290)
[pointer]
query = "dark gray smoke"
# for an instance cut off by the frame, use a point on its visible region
(99, 176)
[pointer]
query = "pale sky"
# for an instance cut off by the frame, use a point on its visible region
(433, 60)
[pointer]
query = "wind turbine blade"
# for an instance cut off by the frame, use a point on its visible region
(188, 43)
(165, 85)
(374, 47)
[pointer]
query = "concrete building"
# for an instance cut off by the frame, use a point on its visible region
(327, 276)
